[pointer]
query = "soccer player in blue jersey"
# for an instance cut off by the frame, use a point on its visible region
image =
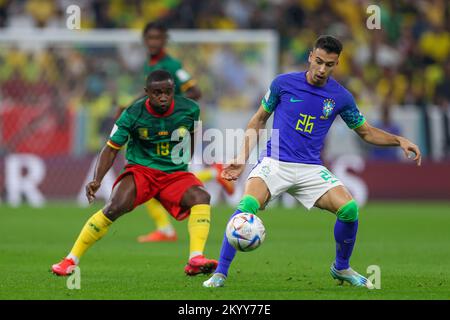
(305, 105)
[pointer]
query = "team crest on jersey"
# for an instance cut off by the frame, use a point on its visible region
(328, 106)
(143, 133)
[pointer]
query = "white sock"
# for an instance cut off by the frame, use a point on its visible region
(168, 231)
(74, 258)
(194, 254)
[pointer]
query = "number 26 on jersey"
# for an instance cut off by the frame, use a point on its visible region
(305, 123)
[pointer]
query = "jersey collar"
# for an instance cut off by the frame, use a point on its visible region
(156, 114)
(155, 59)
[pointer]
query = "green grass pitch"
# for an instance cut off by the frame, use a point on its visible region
(408, 241)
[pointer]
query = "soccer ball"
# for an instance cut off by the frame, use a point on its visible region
(245, 232)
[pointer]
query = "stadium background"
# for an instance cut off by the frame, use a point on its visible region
(58, 97)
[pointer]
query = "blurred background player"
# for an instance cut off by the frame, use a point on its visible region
(155, 38)
(151, 172)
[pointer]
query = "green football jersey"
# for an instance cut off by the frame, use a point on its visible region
(183, 79)
(156, 141)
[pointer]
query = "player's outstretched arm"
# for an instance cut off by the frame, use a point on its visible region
(380, 137)
(104, 163)
(234, 169)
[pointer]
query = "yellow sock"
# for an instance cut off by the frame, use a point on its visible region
(157, 212)
(94, 229)
(198, 226)
(206, 175)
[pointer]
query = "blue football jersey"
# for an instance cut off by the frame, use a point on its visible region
(303, 114)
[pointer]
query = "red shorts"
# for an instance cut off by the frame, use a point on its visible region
(168, 188)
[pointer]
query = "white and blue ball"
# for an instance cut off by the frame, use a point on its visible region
(245, 232)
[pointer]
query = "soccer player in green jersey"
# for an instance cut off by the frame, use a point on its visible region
(152, 127)
(155, 39)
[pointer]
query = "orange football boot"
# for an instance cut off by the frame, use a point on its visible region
(157, 236)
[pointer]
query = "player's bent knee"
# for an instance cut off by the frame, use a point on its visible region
(197, 195)
(349, 212)
(114, 211)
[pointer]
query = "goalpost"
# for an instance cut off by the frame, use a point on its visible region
(59, 90)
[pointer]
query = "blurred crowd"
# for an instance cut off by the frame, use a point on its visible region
(406, 62)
